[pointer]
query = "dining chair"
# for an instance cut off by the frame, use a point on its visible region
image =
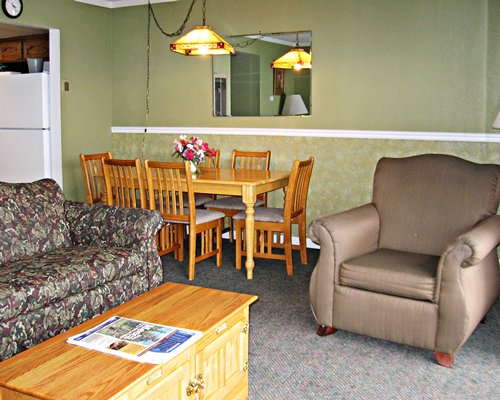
(92, 170)
(273, 226)
(124, 182)
(167, 183)
(232, 205)
(211, 162)
(202, 199)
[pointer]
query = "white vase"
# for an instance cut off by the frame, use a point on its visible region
(194, 169)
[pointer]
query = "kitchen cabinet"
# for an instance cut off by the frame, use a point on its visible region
(20, 48)
(10, 51)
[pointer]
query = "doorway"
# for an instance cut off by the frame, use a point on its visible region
(8, 30)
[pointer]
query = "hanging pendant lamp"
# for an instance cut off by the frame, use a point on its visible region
(202, 41)
(296, 58)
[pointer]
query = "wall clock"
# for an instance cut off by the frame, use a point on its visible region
(12, 8)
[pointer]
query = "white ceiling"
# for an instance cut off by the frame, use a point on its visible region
(120, 3)
(12, 30)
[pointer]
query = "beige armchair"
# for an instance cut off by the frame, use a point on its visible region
(419, 264)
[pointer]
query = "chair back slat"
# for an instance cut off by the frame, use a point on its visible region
(211, 162)
(167, 181)
(298, 186)
(258, 160)
(124, 183)
(251, 160)
(92, 171)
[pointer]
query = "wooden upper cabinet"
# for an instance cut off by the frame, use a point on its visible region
(20, 48)
(10, 51)
(36, 47)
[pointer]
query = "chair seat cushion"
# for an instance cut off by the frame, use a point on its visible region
(265, 214)
(202, 216)
(199, 199)
(392, 272)
(30, 283)
(231, 203)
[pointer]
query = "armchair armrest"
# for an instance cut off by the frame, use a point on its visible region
(341, 236)
(468, 283)
(100, 224)
(480, 240)
(351, 233)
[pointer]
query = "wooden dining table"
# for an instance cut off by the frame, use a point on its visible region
(247, 184)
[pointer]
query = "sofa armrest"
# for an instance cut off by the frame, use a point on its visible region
(341, 236)
(100, 224)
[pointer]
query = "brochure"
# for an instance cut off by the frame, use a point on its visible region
(137, 340)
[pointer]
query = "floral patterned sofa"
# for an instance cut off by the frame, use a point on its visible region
(63, 262)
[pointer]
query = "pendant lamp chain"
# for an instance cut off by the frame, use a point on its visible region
(179, 31)
(148, 51)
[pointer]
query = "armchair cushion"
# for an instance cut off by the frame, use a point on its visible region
(392, 272)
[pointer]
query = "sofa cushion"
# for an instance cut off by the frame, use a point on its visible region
(31, 219)
(33, 282)
(392, 272)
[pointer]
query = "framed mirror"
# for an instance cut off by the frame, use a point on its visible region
(246, 84)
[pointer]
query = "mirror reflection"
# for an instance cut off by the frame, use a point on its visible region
(246, 84)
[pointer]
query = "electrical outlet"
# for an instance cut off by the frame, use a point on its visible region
(65, 85)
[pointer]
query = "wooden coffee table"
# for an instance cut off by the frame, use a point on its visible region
(55, 369)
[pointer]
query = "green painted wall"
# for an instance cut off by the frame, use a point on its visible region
(426, 65)
(343, 171)
(378, 64)
(86, 63)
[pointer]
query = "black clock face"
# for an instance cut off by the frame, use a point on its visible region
(12, 8)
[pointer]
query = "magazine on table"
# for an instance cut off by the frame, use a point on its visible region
(137, 340)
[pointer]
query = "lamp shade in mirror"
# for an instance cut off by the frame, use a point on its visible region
(294, 105)
(496, 123)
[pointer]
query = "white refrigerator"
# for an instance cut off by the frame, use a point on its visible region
(25, 154)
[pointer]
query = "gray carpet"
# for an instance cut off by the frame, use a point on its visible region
(289, 361)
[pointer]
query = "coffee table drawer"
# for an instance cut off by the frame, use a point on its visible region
(168, 382)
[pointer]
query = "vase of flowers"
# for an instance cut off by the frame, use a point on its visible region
(194, 150)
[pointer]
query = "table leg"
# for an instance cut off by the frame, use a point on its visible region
(249, 198)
